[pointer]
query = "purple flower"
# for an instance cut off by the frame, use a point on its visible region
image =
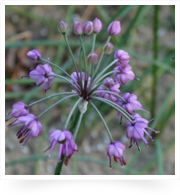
(93, 58)
(31, 127)
(122, 56)
(77, 27)
(40, 74)
(116, 150)
(82, 76)
(97, 25)
(67, 145)
(87, 27)
(19, 109)
(114, 28)
(124, 74)
(130, 104)
(34, 55)
(136, 130)
(63, 27)
(109, 85)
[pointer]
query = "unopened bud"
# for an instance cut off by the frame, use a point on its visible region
(97, 25)
(87, 27)
(62, 27)
(34, 55)
(108, 48)
(77, 27)
(123, 56)
(93, 58)
(114, 28)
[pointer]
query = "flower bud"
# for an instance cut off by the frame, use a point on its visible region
(34, 55)
(62, 27)
(108, 48)
(123, 56)
(77, 27)
(97, 25)
(114, 28)
(87, 27)
(93, 58)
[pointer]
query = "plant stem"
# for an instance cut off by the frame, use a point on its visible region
(155, 56)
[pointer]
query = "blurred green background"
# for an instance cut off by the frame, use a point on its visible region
(148, 34)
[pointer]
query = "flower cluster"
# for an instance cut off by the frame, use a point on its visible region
(91, 81)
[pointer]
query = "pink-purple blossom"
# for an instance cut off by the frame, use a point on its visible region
(114, 28)
(40, 74)
(122, 56)
(77, 27)
(123, 74)
(87, 27)
(67, 145)
(34, 55)
(97, 25)
(82, 76)
(116, 150)
(109, 85)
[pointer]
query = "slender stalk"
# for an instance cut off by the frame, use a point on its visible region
(71, 113)
(108, 66)
(79, 120)
(54, 95)
(107, 129)
(155, 56)
(94, 41)
(64, 78)
(101, 57)
(106, 75)
(44, 60)
(121, 110)
(70, 51)
(55, 104)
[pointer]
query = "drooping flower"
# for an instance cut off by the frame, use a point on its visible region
(97, 25)
(67, 145)
(31, 127)
(130, 103)
(109, 85)
(137, 129)
(34, 55)
(122, 56)
(123, 74)
(19, 109)
(116, 150)
(40, 74)
(114, 28)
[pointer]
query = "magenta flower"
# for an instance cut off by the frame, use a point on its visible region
(40, 74)
(109, 85)
(124, 75)
(31, 127)
(87, 27)
(97, 25)
(34, 55)
(19, 109)
(67, 145)
(77, 27)
(81, 76)
(122, 56)
(130, 104)
(116, 150)
(137, 129)
(114, 28)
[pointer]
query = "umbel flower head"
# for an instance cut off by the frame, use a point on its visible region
(91, 80)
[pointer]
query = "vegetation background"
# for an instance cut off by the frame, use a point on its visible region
(148, 34)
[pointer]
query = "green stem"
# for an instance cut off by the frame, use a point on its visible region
(121, 110)
(55, 105)
(55, 66)
(94, 41)
(107, 129)
(113, 71)
(54, 95)
(155, 56)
